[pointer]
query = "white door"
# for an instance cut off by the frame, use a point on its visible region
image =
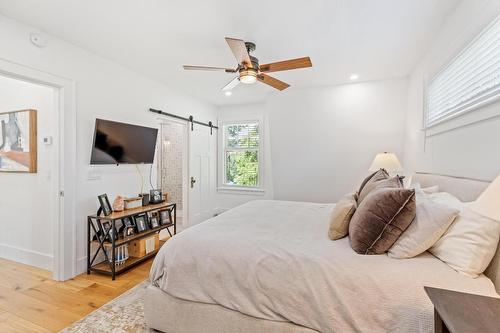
(200, 173)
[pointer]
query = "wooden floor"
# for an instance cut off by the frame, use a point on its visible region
(30, 301)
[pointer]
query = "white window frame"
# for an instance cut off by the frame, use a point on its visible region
(222, 185)
(467, 107)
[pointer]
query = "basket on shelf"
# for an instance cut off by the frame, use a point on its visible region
(121, 254)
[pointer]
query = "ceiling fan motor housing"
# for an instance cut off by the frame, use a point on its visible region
(255, 62)
(250, 48)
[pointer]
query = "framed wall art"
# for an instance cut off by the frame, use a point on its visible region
(18, 141)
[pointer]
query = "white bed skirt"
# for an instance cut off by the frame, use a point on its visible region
(173, 315)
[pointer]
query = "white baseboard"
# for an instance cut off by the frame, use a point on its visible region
(219, 210)
(28, 257)
(81, 265)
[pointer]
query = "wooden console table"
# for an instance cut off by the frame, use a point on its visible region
(108, 265)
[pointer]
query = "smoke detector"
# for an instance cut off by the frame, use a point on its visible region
(37, 40)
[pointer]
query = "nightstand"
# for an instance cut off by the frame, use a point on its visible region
(458, 312)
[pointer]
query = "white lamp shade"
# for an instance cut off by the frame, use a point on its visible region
(387, 161)
(488, 203)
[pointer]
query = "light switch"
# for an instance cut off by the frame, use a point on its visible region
(47, 140)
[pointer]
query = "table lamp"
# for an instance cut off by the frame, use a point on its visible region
(488, 203)
(387, 161)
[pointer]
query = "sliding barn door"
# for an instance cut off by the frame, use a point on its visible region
(201, 174)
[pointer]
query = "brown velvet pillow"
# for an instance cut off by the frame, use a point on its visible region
(376, 176)
(394, 182)
(380, 219)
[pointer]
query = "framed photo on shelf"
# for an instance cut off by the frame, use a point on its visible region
(108, 226)
(128, 231)
(119, 227)
(165, 217)
(105, 205)
(154, 222)
(141, 222)
(128, 222)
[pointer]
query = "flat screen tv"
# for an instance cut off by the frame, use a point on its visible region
(120, 143)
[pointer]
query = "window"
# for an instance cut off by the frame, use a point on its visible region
(241, 155)
(468, 82)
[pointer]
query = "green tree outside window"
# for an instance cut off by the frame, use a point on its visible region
(242, 154)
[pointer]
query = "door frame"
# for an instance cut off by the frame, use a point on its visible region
(184, 213)
(63, 208)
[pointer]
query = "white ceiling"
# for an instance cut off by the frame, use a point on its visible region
(376, 39)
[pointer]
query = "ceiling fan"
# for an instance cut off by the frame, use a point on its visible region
(249, 71)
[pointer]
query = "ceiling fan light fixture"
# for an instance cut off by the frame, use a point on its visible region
(249, 70)
(248, 76)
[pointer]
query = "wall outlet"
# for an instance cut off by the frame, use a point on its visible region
(93, 175)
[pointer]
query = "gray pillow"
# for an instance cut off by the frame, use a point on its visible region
(376, 176)
(394, 182)
(380, 219)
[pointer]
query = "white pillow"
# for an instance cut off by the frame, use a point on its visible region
(431, 222)
(407, 181)
(431, 189)
(448, 199)
(424, 190)
(469, 244)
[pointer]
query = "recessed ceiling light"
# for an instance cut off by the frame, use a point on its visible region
(354, 77)
(228, 92)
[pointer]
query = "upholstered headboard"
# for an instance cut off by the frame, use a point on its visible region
(466, 190)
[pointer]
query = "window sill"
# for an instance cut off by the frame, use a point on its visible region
(241, 190)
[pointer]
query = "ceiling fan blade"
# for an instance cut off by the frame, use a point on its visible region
(239, 50)
(286, 65)
(207, 68)
(234, 82)
(275, 83)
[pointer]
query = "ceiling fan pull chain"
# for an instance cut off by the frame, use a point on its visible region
(191, 120)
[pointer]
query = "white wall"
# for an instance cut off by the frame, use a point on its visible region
(228, 199)
(26, 222)
(321, 141)
(106, 90)
(467, 151)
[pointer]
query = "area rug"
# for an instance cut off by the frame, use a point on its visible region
(124, 314)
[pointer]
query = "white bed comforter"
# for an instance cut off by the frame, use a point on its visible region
(274, 260)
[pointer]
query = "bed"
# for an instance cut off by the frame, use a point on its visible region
(268, 266)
